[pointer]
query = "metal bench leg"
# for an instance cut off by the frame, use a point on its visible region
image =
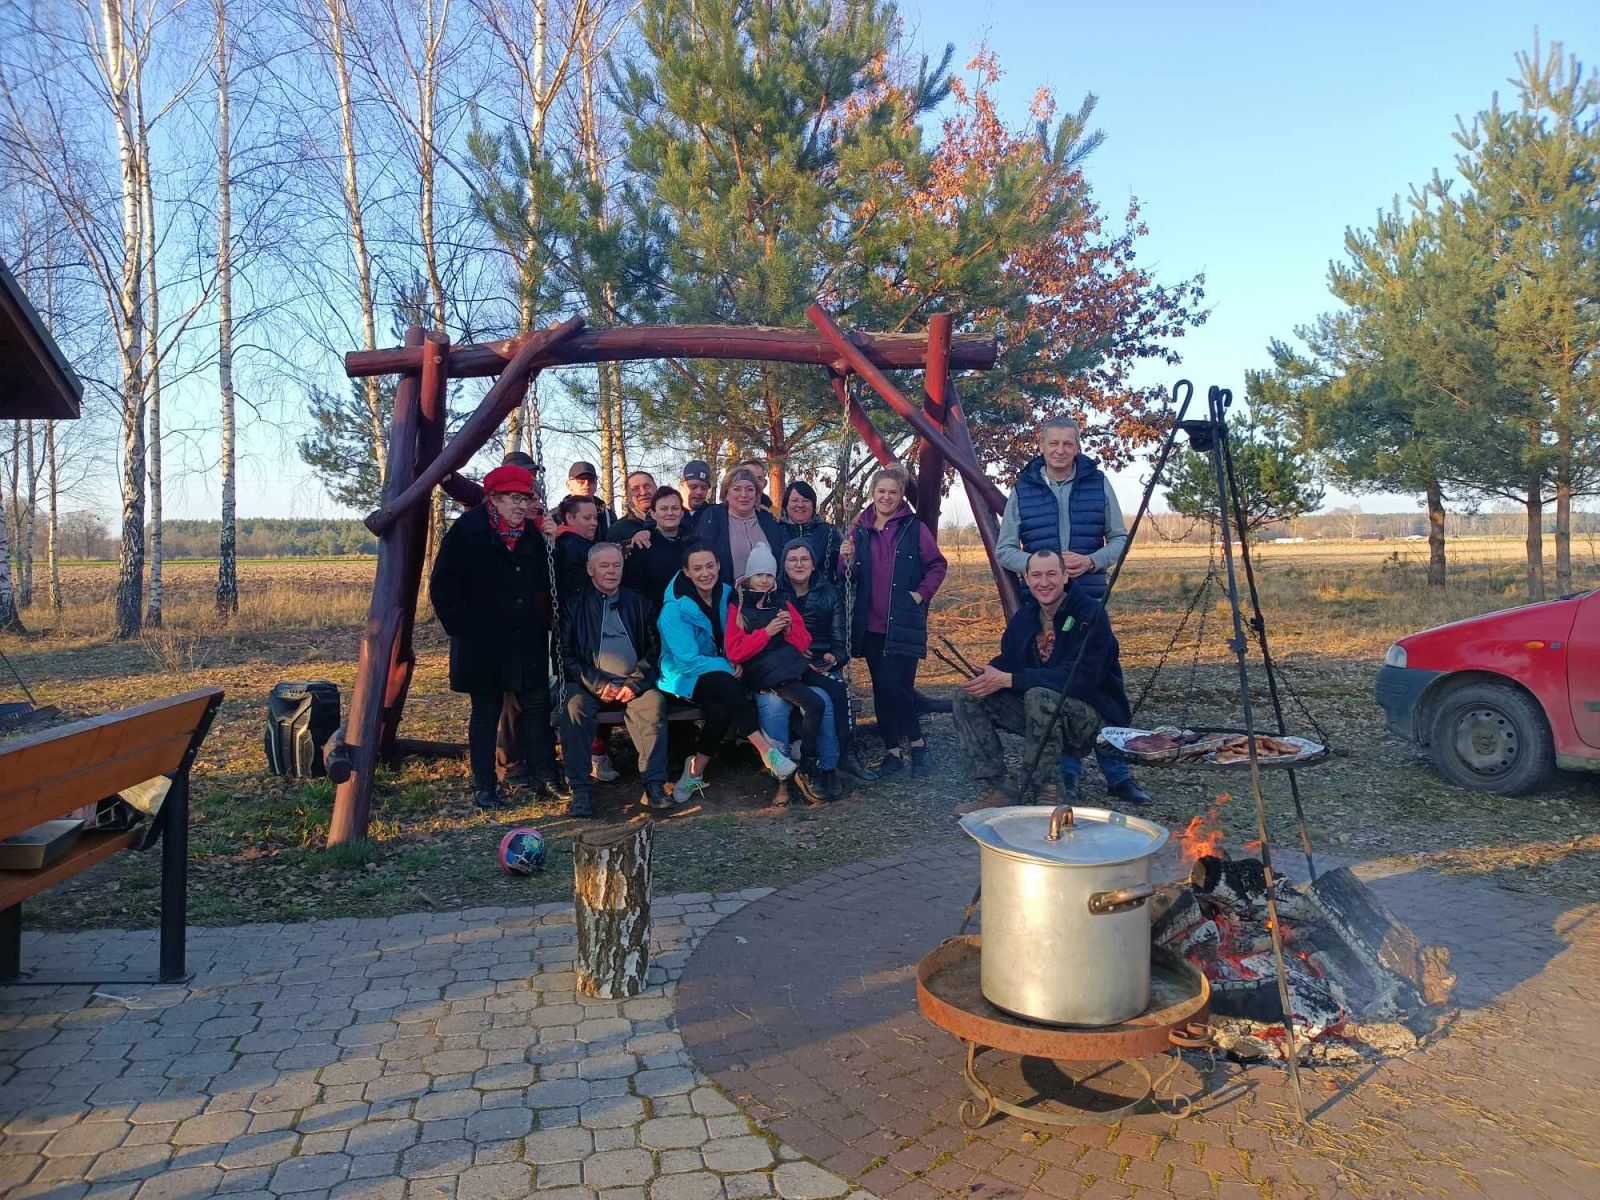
(175, 879)
(11, 943)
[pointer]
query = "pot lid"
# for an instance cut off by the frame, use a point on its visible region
(1097, 836)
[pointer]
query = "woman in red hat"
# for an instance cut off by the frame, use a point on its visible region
(491, 589)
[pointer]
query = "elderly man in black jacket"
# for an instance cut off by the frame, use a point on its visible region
(1059, 640)
(491, 590)
(612, 652)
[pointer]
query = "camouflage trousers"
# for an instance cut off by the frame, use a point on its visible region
(980, 722)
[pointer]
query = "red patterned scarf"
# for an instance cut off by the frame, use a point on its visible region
(504, 530)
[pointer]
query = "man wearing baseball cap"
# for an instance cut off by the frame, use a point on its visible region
(584, 480)
(491, 590)
(696, 491)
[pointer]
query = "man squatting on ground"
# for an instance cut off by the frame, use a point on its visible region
(1017, 692)
(1064, 502)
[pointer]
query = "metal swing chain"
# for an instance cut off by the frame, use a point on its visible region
(846, 533)
(1212, 578)
(1161, 659)
(550, 552)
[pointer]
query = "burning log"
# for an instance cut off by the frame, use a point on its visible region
(1361, 919)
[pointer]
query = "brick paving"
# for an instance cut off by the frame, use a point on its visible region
(424, 1057)
(446, 1057)
(802, 1007)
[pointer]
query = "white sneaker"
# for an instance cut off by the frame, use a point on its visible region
(600, 768)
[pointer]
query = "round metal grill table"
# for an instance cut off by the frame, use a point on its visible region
(949, 994)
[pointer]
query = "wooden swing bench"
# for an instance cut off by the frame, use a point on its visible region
(48, 775)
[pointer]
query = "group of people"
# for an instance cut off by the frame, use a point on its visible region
(750, 612)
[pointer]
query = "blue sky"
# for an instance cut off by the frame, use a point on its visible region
(1254, 134)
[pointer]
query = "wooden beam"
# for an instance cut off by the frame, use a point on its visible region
(352, 800)
(930, 463)
(414, 533)
(863, 366)
(877, 444)
(985, 517)
(758, 343)
(504, 396)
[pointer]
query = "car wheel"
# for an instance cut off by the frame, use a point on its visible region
(1492, 738)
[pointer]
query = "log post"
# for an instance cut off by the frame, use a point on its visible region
(413, 531)
(930, 463)
(611, 889)
(353, 799)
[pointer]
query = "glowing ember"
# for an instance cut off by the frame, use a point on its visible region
(1204, 834)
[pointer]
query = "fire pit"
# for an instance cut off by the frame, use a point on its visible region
(1361, 981)
(950, 994)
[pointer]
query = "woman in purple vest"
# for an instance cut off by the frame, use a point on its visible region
(897, 566)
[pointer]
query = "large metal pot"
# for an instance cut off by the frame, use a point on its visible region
(1066, 924)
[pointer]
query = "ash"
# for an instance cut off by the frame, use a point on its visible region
(1361, 984)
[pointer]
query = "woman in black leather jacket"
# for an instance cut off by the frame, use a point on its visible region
(821, 604)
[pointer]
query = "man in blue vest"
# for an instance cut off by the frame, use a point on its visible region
(1064, 502)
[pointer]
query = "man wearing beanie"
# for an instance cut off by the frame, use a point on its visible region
(491, 588)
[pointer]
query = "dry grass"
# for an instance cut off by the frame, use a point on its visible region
(1331, 611)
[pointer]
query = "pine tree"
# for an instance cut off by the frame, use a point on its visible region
(1275, 481)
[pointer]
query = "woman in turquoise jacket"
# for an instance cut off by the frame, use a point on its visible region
(694, 667)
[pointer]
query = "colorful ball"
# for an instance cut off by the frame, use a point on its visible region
(522, 852)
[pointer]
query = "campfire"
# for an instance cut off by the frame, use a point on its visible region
(1360, 980)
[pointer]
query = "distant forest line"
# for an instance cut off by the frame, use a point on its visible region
(286, 537)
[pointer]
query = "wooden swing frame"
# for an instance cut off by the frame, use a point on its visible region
(419, 460)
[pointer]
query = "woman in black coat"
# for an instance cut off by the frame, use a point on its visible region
(491, 590)
(821, 606)
(731, 529)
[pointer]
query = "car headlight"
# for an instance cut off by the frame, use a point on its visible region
(1396, 656)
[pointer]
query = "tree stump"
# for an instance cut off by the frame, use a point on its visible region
(611, 888)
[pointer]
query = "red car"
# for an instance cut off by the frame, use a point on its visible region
(1501, 700)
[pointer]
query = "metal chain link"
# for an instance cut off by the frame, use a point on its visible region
(550, 551)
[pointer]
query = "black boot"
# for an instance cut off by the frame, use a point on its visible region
(581, 804)
(1129, 792)
(852, 766)
(488, 797)
(921, 762)
(892, 764)
(832, 786)
(806, 780)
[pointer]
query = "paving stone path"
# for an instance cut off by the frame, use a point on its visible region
(446, 1057)
(802, 1006)
(425, 1057)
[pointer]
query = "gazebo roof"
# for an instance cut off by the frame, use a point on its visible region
(35, 378)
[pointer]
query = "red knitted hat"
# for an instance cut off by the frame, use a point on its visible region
(508, 479)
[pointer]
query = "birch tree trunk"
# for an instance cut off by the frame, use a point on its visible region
(611, 891)
(147, 199)
(30, 523)
(338, 22)
(54, 532)
(227, 574)
(119, 67)
(10, 618)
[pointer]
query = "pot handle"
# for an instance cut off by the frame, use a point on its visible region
(1061, 817)
(1104, 903)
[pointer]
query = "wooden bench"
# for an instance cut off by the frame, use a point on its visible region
(47, 775)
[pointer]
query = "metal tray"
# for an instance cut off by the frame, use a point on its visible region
(35, 848)
(1198, 754)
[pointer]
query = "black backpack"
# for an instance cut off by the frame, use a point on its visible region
(301, 717)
